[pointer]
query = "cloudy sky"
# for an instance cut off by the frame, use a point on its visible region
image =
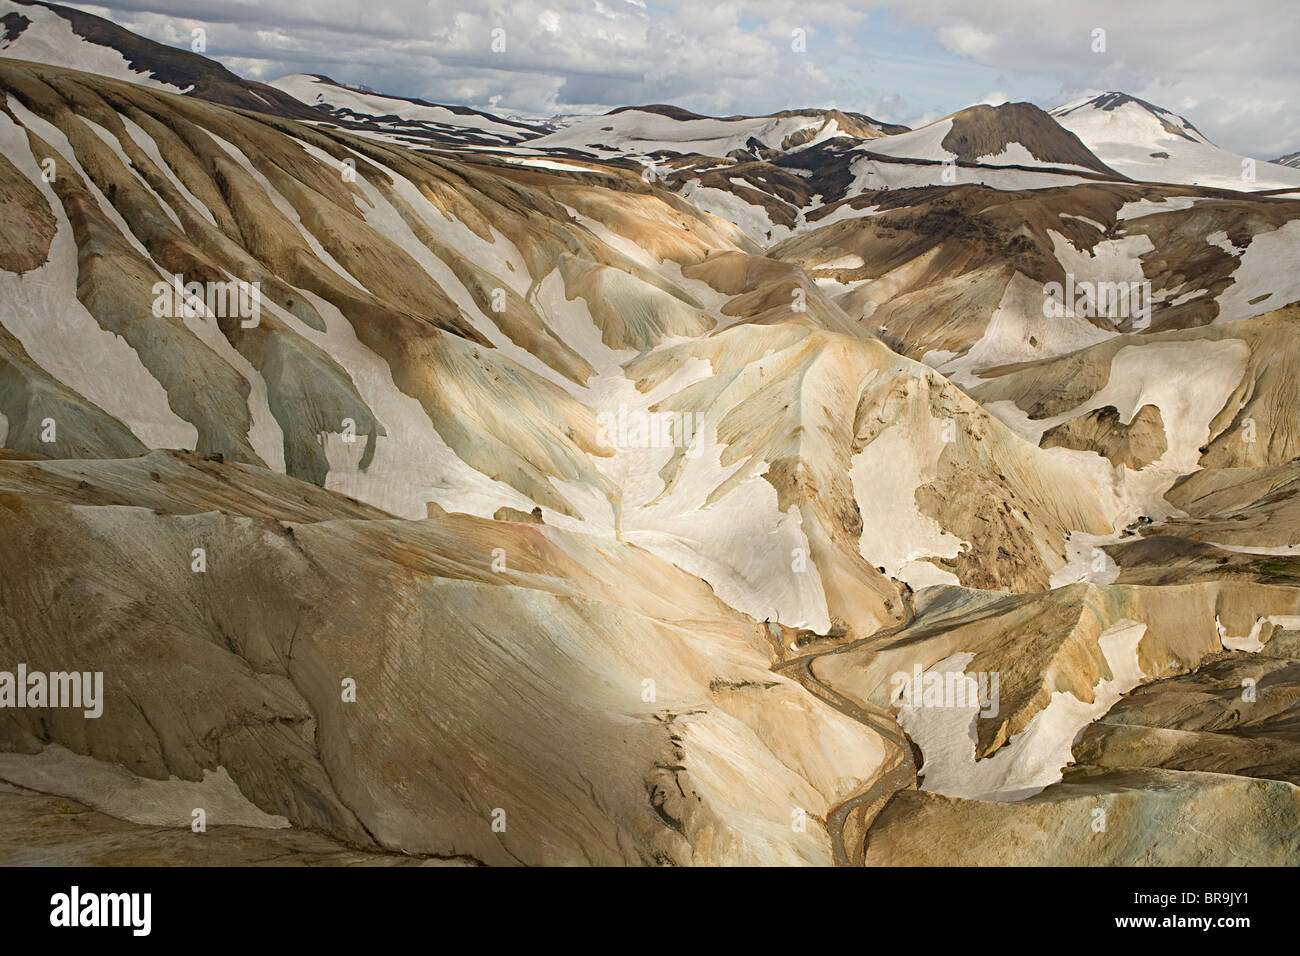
(1231, 68)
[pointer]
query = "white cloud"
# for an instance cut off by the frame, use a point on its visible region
(1233, 67)
(561, 55)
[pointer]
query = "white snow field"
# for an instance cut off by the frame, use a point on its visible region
(50, 39)
(1151, 144)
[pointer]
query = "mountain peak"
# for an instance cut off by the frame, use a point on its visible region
(1112, 101)
(406, 118)
(63, 36)
(982, 130)
(1149, 143)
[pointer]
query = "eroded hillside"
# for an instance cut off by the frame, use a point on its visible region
(561, 502)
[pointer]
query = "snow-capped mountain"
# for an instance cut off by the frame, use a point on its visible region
(65, 36)
(404, 119)
(1290, 159)
(551, 123)
(773, 194)
(650, 130)
(47, 34)
(1013, 134)
(1151, 144)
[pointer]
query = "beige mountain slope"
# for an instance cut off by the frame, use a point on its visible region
(958, 276)
(547, 720)
(41, 830)
(1248, 507)
(1022, 787)
(1152, 818)
(1225, 395)
(1195, 723)
(254, 204)
(881, 456)
(478, 313)
(623, 520)
(1134, 444)
(1199, 768)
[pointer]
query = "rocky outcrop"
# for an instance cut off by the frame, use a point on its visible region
(1098, 818)
(1134, 444)
(1236, 714)
(1184, 771)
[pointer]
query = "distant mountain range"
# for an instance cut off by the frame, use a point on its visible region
(1113, 133)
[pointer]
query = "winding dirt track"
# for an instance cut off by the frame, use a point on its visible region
(902, 772)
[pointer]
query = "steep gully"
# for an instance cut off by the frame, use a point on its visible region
(902, 772)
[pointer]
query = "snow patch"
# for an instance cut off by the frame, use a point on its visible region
(1034, 758)
(114, 790)
(42, 311)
